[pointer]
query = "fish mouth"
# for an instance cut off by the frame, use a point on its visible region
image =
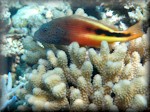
(40, 44)
(37, 40)
(36, 37)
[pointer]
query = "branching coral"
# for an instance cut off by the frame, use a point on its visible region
(32, 51)
(6, 91)
(48, 88)
(126, 91)
(141, 45)
(108, 65)
(70, 86)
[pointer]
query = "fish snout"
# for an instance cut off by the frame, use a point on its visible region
(36, 37)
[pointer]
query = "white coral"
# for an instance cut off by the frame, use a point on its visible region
(12, 47)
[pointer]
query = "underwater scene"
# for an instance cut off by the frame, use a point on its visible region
(74, 55)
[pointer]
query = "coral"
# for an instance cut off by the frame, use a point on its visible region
(70, 86)
(139, 102)
(3, 91)
(28, 16)
(31, 17)
(133, 11)
(5, 20)
(108, 64)
(12, 47)
(32, 50)
(23, 16)
(53, 97)
(6, 91)
(141, 45)
(126, 91)
(80, 12)
(137, 14)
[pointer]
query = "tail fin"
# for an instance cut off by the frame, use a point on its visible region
(135, 31)
(137, 28)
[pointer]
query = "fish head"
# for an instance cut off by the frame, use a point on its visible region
(52, 32)
(42, 34)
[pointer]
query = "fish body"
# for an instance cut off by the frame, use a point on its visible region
(85, 31)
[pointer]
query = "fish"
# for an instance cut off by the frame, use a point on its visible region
(85, 31)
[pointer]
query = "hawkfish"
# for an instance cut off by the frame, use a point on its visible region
(85, 31)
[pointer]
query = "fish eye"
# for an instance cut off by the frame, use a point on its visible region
(45, 29)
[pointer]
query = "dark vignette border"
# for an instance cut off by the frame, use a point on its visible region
(5, 62)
